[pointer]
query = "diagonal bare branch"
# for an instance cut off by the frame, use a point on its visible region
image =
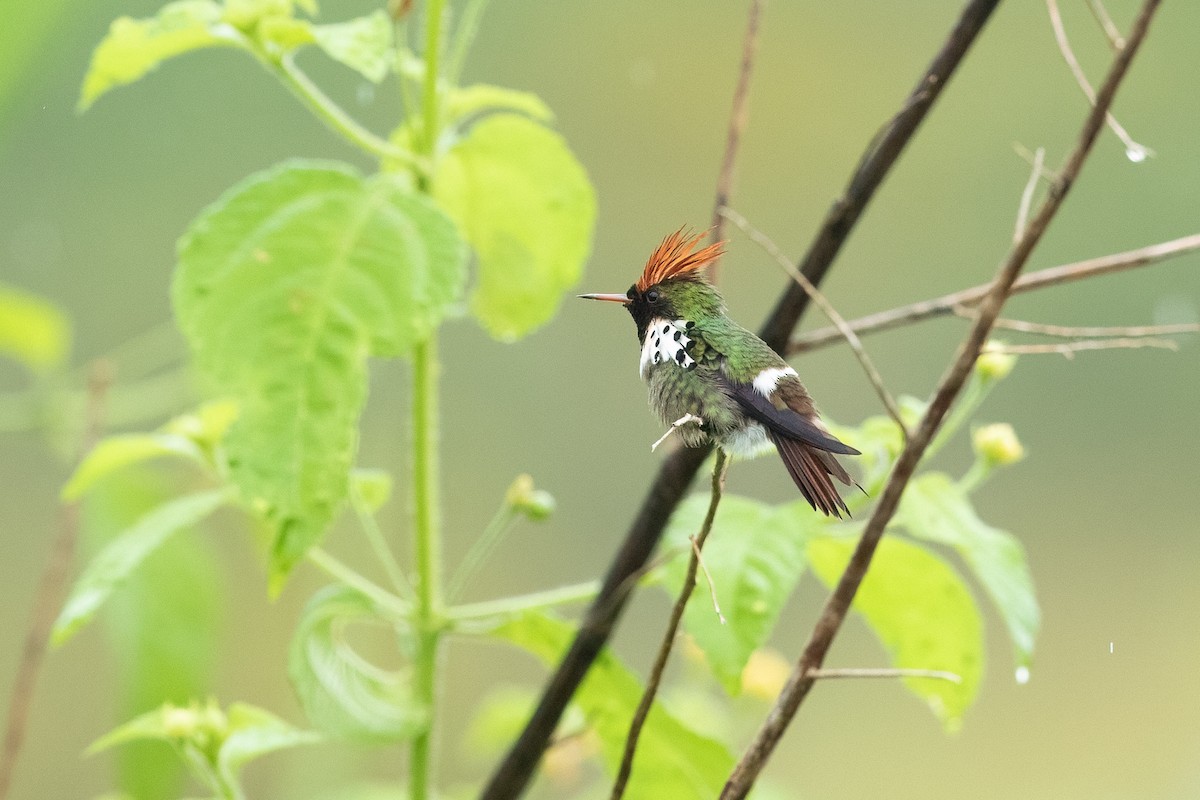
(720, 466)
(51, 587)
(738, 118)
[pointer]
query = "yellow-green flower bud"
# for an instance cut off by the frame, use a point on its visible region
(993, 364)
(765, 674)
(521, 496)
(179, 723)
(998, 444)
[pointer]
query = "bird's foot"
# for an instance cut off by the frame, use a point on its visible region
(686, 419)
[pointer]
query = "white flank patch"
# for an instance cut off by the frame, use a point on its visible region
(766, 381)
(666, 341)
(748, 442)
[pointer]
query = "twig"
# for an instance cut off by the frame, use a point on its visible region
(712, 587)
(1069, 349)
(834, 613)
(839, 322)
(1115, 39)
(946, 304)
(883, 672)
(1134, 152)
(1039, 159)
(668, 640)
(1029, 157)
(679, 469)
(1088, 332)
(738, 117)
(50, 589)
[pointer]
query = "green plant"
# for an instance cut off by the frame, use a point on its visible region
(290, 283)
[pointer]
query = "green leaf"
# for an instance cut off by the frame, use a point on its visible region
(248, 14)
(134, 47)
(253, 733)
(921, 611)
(363, 44)
(32, 330)
(480, 98)
(285, 286)
(342, 693)
(673, 761)
(162, 625)
(153, 725)
(124, 450)
(527, 208)
(117, 560)
(936, 509)
(755, 555)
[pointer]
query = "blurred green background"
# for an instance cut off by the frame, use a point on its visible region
(91, 207)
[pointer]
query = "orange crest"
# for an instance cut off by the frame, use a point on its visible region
(677, 256)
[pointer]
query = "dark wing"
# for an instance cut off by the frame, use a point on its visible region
(805, 448)
(785, 422)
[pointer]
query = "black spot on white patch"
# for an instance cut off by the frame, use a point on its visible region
(666, 328)
(678, 334)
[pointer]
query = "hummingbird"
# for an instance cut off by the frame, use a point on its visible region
(714, 381)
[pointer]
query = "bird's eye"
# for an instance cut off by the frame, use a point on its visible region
(652, 296)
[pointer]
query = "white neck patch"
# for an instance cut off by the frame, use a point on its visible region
(666, 342)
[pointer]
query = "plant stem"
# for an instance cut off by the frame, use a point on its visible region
(433, 51)
(427, 541)
(379, 544)
(338, 570)
(482, 549)
(330, 112)
(427, 551)
(507, 606)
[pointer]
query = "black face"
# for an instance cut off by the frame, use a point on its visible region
(645, 306)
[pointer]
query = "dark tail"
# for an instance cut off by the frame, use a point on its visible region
(810, 468)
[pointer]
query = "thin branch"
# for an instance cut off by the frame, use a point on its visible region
(1029, 157)
(51, 588)
(839, 322)
(1115, 39)
(1069, 349)
(712, 586)
(679, 469)
(738, 117)
(1039, 158)
(1088, 332)
(668, 640)
(946, 304)
(1134, 151)
(883, 672)
(834, 613)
